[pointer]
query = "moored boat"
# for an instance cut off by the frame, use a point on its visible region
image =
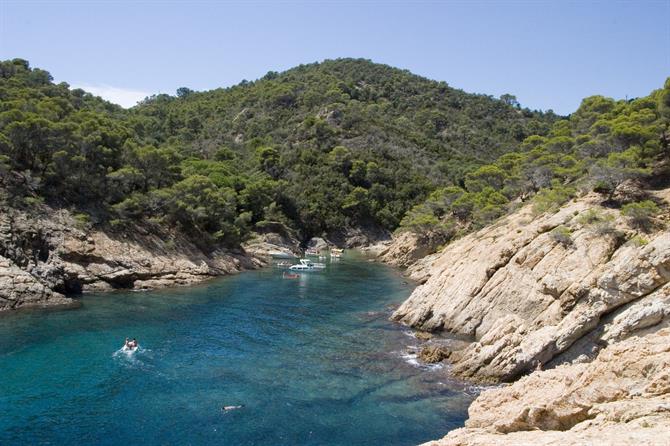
(307, 265)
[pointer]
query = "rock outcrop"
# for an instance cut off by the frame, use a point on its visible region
(622, 397)
(578, 293)
(46, 256)
(529, 295)
(408, 248)
(273, 244)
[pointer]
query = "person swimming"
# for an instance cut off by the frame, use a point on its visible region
(131, 345)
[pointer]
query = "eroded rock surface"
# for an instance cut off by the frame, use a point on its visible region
(45, 257)
(622, 397)
(527, 298)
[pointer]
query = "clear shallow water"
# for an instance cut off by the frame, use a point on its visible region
(313, 361)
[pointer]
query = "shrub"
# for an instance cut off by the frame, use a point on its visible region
(562, 235)
(639, 241)
(552, 198)
(600, 223)
(640, 214)
(82, 220)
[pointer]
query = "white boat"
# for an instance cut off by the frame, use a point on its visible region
(307, 265)
(336, 253)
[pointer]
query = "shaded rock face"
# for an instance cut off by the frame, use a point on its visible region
(358, 237)
(44, 258)
(526, 299)
(273, 244)
(622, 397)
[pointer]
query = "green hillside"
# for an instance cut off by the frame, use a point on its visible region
(319, 148)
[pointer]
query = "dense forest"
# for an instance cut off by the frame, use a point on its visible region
(321, 148)
(599, 147)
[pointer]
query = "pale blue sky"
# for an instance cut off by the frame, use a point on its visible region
(549, 54)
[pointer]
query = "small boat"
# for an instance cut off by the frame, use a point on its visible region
(307, 265)
(286, 275)
(311, 252)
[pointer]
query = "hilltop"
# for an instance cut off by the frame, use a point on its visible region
(321, 149)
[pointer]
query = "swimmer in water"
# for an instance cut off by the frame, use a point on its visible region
(131, 344)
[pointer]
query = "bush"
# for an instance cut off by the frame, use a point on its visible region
(640, 214)
(562, 235)
(639, 241)
(601, 224)
(83, 220)
(551, 199)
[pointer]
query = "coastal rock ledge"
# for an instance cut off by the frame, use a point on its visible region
(620, 398)
(578, 316)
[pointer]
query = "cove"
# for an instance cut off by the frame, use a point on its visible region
(312, 361)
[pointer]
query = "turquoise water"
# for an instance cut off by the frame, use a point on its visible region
(312, 361)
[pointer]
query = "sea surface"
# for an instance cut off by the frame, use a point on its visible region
(309, 361)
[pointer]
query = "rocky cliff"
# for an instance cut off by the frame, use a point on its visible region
(48, 255)
(580, 293)
(532, 291)
(620, 398)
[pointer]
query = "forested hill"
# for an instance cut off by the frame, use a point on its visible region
(319, 148)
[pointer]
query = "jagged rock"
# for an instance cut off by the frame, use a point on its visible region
(273, 244)
(423, 335)
(433, 353)
(317, 243)
(622, 397)
(19, 289)
(525, 299)
(358, 237)
(629, 191)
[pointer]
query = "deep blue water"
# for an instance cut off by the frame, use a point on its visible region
(313, 361)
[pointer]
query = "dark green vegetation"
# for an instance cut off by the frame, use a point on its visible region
(321, 148)
(604, 143)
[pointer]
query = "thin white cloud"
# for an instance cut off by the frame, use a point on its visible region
(124, 97)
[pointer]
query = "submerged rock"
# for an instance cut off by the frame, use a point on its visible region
(423, 335)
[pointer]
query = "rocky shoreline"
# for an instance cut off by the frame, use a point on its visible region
(47, 257)
(529, 299)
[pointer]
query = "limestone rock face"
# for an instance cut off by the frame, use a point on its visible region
(44, 257)
(527, 299)
(622, 397)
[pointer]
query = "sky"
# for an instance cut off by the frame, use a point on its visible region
(548, 54)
